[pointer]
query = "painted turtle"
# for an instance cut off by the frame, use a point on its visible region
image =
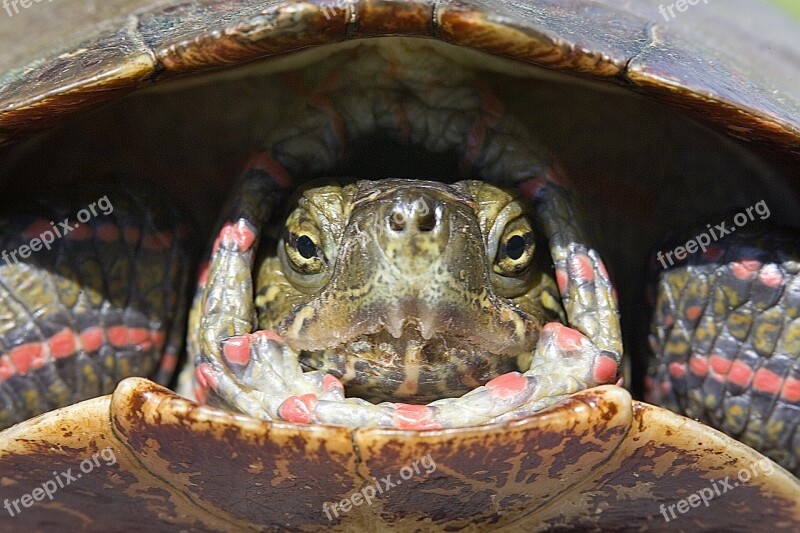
(351, 108)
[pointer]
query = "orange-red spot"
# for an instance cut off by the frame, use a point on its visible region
(507, 385)
(37, 228)
(530, 188)
(771, 276)
(157, 241)
(23, 355)
(740, 374)
(745, 268)
(605, 370)
(132, 234)
(268, 334)
(568, 339)
(159, 338)
(108, 233)
(298, 409)
(200, 394)
(767, 381)
(91, 339)
(330, 382)
(677, 370)
(720, 365)
(561, 280)
(204, 375)
(168, 363)
(118, 336)
(414, 417)
(580, 266)
(80, 232)
(266, 162)
(699, 365)
(235, 233)
(236, 350)
(693, 312)
(791, 390)
(139, 336)
(62, 344)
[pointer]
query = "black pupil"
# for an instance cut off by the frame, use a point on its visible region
(515, 247)
(306, 247)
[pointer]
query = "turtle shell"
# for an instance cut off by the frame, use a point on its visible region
(600, 460)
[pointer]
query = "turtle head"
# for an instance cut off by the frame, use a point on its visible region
(409, 290)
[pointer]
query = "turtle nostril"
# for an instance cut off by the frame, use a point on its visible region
(397, 221)
(427, 221)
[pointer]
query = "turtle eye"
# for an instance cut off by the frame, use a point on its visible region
(304, 255)
(515, 250)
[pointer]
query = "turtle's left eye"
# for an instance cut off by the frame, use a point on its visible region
(304, 254)
(515, 250)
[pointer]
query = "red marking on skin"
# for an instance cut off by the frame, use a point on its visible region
(132, 234)
(200, 394)
(530, 188)
(23, 355)
(204, 375)
(157, 241)
(771, 276)
(492, 107)
(91, 339)
(605, 370)
(330, 382)
(270, 335)
(7, 368)
(236, 350)
(507, 385)
(139, 336)
(298, 409)
(80, 232)
(581, 267)
(668, 320)
(720, 365)
(698, 364)
(236, 234)
(62, 344)
(666, 387)
(567, 339)
(159, 338)
(168, 362)
(740, 374)
(677, 370)
(202, 279)
(791, 390)
(745, 268)
(620, 382)
(475, 139)
(108, 233)
(36, 228)
(693, 312)
(767, 381)
(118, 336)
(713, 253)
(414, 417)
(266, 162)
(562, 280)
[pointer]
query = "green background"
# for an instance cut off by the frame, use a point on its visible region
(792, 6)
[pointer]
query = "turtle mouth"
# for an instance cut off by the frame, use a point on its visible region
(408, 363)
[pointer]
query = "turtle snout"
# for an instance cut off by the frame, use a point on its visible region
(414, 213)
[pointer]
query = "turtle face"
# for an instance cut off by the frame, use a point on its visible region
(408, 290)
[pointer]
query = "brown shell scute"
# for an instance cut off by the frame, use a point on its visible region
(598, 460)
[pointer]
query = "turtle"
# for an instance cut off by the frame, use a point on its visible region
(577, 457)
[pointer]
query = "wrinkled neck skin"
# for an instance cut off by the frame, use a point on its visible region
(409, 307)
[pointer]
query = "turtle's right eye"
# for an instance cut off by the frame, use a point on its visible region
(304, 254)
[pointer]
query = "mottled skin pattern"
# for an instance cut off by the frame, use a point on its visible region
(102, 302)
(726, 332)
